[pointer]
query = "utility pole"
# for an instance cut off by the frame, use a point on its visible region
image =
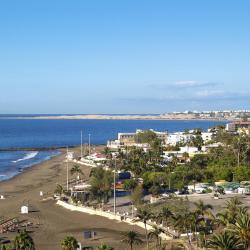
(132, 211)
(67, 169)
(81, 144)
(89, 143)
(115, 188)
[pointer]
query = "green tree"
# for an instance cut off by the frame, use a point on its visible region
(104, 247)
(131, 238)
(241, 229)
(23, 241)
(165, 216)
(6, 247)
(130, 184)
(224, 241)
(182, 222)
(197, 141)
(136, 195)
(101, 184)
(202, 209)
(69, 243)
(59, 190)
(146, 136)
(76, 170)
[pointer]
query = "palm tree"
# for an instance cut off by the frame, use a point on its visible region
(232, 211)
(174, 245)
(23, 241)
(241, 229)
(164, 216)
(224, 241)
(223, 218)
(183, 223)
(69, 243)
(76, 170)
(104, 247)
(155, 233)
(201, 208)
(101, 185)
(59, 190)
(131, 238)
(233, 203)
(6, 247)
(144, 215)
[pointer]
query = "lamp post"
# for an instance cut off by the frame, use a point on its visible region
(67, 169)
(89, 143)
(81, 144)
(115, 188)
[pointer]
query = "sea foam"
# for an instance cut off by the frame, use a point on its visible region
(27, 157)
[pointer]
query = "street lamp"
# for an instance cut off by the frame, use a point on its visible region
(67, 161)
(115, 188)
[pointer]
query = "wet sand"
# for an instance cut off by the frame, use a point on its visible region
(51, 222)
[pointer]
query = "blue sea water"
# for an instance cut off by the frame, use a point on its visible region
(30, 133)
(14, 162)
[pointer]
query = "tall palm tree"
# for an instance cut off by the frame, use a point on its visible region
(195, 222)
(165, 216)
(76, 170)
(104, 247)
(183, 223)
(224, 241)
(241, 229)
(131, 238)
(144, 215)
(155, 233)
(101, 185)
(69, 243)
(23, 241)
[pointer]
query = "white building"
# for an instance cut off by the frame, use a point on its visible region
(189, 150)
(206, 136)
(128, 139)
(230, 127)
(178, 137)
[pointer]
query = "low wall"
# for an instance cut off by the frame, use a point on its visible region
(108, 215)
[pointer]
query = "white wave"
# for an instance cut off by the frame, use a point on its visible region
(27, 157)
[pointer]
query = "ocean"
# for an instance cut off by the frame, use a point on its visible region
(25, 142)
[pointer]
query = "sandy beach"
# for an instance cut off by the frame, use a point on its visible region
(160, 117)
(52, 223)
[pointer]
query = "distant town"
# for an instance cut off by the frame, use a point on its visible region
(223, 115)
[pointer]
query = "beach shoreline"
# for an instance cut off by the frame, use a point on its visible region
(164, 117)
(52, 222)
(29, 168)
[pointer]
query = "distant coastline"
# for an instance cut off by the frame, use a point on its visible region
(118, 117)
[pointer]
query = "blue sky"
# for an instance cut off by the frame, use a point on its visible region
(133, 56)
